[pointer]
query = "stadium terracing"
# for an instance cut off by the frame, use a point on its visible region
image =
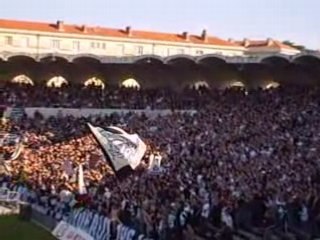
(77, 53)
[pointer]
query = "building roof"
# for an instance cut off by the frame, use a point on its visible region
(268, 43)
(127, 33)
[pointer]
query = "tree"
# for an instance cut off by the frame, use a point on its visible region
(292, 44)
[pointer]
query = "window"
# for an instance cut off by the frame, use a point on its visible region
(139, 50)
(199, 52)
(55, 44)
(76, 45)
(99, 45)
(8, 40)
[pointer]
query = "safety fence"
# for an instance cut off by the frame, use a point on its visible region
(80, 224)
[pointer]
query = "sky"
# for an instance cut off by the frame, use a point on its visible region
(295, 20)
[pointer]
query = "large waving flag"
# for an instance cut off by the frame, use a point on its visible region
(123, 151)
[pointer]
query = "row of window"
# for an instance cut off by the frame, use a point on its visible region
(56, 44)
(98, 45)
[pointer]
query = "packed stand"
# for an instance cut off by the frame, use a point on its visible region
(78, 96)
(242, 162)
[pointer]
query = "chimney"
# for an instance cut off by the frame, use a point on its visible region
(84, 28)
(231, 40)
(129, 31)
(60, 25)
(186, 36)
(246, 42)
(204, 35)
(269, 42)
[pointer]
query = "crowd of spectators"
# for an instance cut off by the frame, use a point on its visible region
(80, 96)
(243, 161)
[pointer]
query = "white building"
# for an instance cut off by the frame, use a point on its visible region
(33, 38)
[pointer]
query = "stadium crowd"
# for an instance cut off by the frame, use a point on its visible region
(72, 96)
(241, 162)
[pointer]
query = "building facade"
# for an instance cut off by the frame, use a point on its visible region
(40, 39)
(60, 38)
(76, 54)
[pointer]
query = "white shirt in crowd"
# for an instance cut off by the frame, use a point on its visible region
(158, 159)
(66, 195)
(205, 210)
(304, 216)
(226, 218)
(107, 193)
(151, 160)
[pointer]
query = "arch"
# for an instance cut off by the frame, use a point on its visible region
(180, 58)
(306, 59)
(211, 59)
(200, 84)
(22, 79)
(149, 59)
(53, 58)
(236, 84)
(56, 81)
(20, 57)
(85, 58)
(271, 85)
(275, 59)
(94, 81)
(130, 83)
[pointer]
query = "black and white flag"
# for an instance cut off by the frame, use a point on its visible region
(11, 140)
(123, 151)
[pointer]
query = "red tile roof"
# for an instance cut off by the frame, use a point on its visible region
(271, 43)
(110, 32)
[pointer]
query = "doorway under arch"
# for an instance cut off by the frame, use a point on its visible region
(272, 85)
(56, 82)
(94, 82)
(200, 85)
(22, 79)
(236, 84)
(130, 83)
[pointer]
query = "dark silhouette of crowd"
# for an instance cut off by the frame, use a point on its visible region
(243, 162)
(79, 96)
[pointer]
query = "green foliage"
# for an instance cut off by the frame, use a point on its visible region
(292, 44)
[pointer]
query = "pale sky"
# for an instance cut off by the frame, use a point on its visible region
(296, 20)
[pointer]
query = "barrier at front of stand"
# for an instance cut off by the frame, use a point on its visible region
(9, 201)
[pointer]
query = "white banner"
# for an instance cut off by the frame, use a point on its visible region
(64, 231)
(9, 196)
(100, 227)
